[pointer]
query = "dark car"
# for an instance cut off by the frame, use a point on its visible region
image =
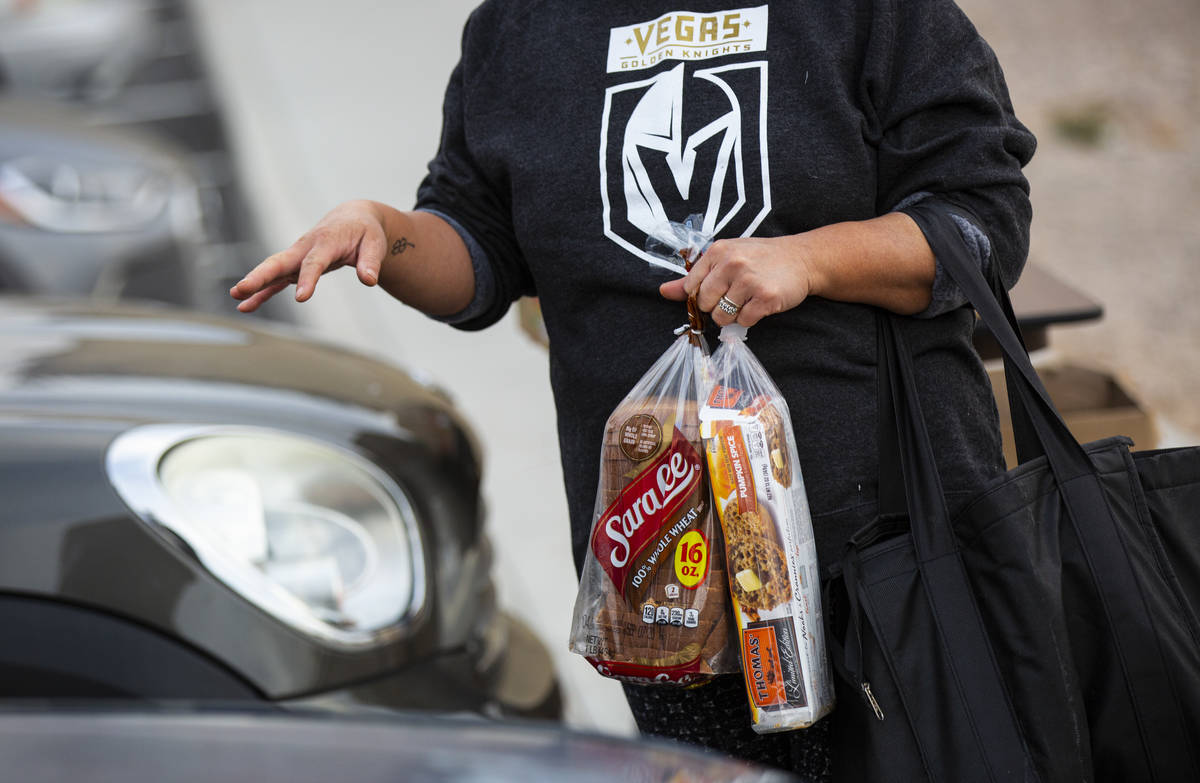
(116, 175)
(83, 51)
(107, 213)
(181, 745)
(196, 508)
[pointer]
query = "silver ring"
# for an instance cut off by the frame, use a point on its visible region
(728, 307)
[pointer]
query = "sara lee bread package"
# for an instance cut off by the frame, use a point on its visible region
(653, 601)
(770, 553)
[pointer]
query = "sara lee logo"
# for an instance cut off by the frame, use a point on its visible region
(680, 674)
(633, 533)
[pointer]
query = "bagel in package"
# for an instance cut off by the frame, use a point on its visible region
(653, 601)
(770, 551)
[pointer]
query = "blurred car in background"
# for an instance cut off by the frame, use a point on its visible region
(200, 509)
(96, 212)
(183, 746)
(75, 50)
(112, 140)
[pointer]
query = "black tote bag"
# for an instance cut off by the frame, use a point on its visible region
(1049, 631)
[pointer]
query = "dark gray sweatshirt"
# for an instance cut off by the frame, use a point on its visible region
(573, 129)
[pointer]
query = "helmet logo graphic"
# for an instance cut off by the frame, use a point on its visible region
(671, 147)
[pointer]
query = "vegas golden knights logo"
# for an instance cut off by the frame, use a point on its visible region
(691, 137)
(686, 140)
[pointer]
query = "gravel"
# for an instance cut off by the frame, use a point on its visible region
(1111, 90)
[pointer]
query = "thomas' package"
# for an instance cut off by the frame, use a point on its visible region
(770, 552)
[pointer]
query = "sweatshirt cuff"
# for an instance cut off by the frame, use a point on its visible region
(946, 295)
(485, 278)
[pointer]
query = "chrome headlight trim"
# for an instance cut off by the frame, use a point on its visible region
(133, 463)
(83, 197)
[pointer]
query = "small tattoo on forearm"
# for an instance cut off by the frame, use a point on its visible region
(401, 245)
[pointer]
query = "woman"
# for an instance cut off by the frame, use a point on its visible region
(817, 139)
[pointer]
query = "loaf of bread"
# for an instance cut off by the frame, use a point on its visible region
(654, 600)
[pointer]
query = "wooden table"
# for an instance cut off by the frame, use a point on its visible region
(1040, 300)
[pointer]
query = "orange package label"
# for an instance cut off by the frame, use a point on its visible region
(771, 661)
(724, 397)
(764, 675)
(730, 468)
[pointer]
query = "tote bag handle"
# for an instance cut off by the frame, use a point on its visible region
(1002, 752)
(1118, 590)
(1033, 410)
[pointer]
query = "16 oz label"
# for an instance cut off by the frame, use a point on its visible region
(691, 559)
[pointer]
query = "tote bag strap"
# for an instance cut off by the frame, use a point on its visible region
(1159, 718)
(1024, 436)
(976, 677)
(891, 495)
(1027, 445)
(1032, 401)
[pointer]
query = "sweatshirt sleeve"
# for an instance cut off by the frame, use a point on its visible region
(950, 148)
(475, 201)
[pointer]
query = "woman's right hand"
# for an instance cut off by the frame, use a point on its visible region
(352, 234)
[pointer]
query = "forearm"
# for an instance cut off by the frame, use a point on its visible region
(884, 261)
(417, 257)
(426, 265)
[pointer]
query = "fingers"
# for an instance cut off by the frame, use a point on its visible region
(343, 237)
(371, 251)
(759, 276)
(727, 276)
(753, 311)
(319, 260)
(275, 268)
(741, 295)
(700, 271)
(256, 300)
(674, 290)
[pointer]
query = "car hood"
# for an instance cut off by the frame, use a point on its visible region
(74, 376)
(147, 364)
(266, 747)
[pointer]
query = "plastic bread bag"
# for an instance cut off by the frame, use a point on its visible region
(770, 550)
(653, 601)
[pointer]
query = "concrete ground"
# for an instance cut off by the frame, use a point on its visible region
(337, 101)
(1112, 91)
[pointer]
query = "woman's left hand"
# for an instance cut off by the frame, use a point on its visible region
(757, 276)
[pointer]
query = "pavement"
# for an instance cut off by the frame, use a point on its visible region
(1112, 91)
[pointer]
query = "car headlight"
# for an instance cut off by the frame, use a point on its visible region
(81, 198)
(316, 536)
